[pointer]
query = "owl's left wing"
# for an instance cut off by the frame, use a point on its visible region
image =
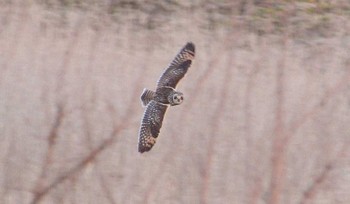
(150, 125)
(178, 67)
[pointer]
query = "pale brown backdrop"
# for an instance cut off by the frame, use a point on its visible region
(266, 116)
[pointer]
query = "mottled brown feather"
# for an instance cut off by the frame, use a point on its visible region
(157, 101)
(150, 125)
(178, 67)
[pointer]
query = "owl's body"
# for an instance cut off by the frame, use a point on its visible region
(157, 102)
(165, 95)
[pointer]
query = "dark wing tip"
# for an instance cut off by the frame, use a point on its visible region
(190, 46)
(143, 149)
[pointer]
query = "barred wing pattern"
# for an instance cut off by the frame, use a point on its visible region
(150, 125)
(178, 67)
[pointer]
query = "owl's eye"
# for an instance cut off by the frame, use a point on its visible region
(181, 97)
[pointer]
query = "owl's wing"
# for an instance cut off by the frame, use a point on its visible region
(178, 67)
(150, 125)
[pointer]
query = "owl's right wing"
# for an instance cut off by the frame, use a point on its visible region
(150, 125)
(178, 67)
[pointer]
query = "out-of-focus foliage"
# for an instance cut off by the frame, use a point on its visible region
(263, 16)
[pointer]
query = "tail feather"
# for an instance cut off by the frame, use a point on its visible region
(147, 96)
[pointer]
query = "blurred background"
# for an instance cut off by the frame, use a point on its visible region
(265, 118)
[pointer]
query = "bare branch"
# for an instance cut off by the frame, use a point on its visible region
(51, 145)
(310, 193)
(279, 143)
(317, 183)
(215, 126)
(83, 163)
(92, 155)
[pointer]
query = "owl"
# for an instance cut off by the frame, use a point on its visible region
(157, 102)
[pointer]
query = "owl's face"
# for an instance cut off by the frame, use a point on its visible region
(176, 98)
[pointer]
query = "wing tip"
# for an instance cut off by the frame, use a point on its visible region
(190, 46)
(143, 149)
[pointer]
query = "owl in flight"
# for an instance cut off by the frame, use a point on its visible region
(157, 102)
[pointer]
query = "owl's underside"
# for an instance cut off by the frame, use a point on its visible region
(157, 102)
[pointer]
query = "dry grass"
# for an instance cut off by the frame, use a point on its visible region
(265, 117)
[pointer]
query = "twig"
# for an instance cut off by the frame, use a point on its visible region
(215, 126)
(279, 143)
(51, 145)
(92, 155)
(83, 163)
(317, 183)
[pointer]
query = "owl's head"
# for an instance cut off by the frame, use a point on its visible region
(176, 98)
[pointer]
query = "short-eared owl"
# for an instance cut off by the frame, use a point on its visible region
(157, 102)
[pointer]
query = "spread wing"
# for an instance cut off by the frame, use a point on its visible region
(178, 67)
(150, 125)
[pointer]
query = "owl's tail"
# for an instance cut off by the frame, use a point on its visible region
(147, 96)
